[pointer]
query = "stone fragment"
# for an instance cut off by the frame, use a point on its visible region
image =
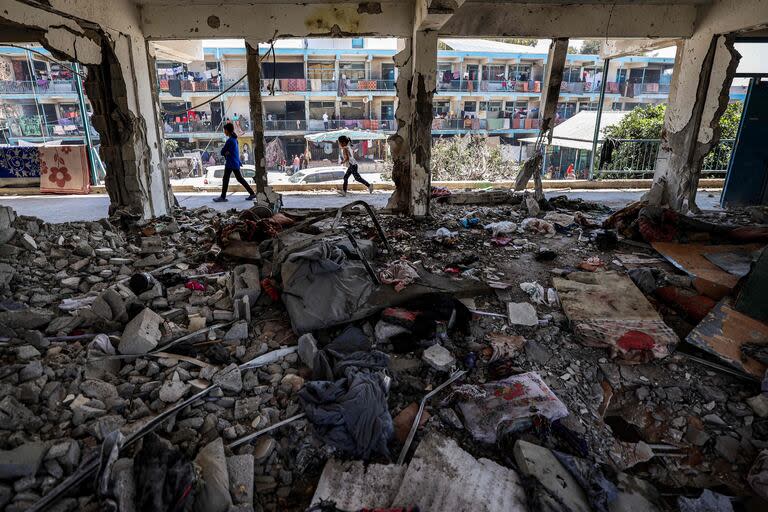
(26, 352)
(27, 318)
(98, 389)
(522, 313)
(229, 379)
(238, 332)
(307, 349)
(264, 448)
(291, 383)
(438, 357)
(142, 333)
(727, 447)
(246, 282)
(240, 468)
(759, 404)
(214, 495)
(247, 407)
(22, 461)
(173, 390)
(7, 272)
(27, 242)
(124, 485)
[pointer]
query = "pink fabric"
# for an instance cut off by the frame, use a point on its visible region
(64, 170)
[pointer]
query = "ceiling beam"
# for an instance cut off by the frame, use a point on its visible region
(491, 19)
(433, 14)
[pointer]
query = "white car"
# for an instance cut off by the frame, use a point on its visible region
(318, 175)
(214, 174)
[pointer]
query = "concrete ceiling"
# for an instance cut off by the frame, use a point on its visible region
(554, 2)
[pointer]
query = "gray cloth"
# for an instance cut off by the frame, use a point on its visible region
(322, 288)
(350, 414)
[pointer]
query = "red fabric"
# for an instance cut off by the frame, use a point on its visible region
(694, 307)
(636, 340)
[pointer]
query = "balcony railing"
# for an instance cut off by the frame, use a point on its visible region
(176, 127)
(463, 85)
(40, 87)
(636, 158)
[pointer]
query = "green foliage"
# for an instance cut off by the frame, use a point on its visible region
(468, 157)
(590, 47)
(647, 123)
(572, 50)
(517, 40)
(170, 146)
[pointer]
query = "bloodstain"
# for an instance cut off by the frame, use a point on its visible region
(636, 340)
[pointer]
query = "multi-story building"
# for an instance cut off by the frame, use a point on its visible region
(39, 99)
(313, 85)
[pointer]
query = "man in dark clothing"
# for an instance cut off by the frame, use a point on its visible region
(231, 153)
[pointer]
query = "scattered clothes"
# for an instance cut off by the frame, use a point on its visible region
(195, 286)
(323, 271)
(469, 222)
(351, 414)
(689, 304)
(708, 502)
(422, 318)
(605, 240)
(535, 291)
(600, 491)
(561, 219)
(251, 228)
(510, 404)
(591, 264)
(607, 310)
(446, 237)
(538, 226)
(400, 273)
(502, 346)
(504, 227)
(439, 192)
(501, 241)
(165, 478)
(758, 475)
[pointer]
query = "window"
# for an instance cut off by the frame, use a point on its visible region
(512, 106)
(320, 70)
(588, 106)
(352, 70)
(490, 106)
(357, 42)
(470, 106)
(387, 110)
(522, 72)
(493, 72)
(441, 107)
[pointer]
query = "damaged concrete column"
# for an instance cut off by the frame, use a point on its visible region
(699, 94)
(253, 64)
(423, 85)
(411, 146)
(120, 86)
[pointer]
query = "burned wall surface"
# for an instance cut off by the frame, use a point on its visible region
(119, 86)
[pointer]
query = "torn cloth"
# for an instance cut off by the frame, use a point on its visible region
(350, 414)
(400, 273)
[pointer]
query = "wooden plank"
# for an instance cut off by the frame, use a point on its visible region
(724, 331)
(690, 259)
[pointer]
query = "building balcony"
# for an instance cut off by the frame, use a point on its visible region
(38, 87)
(488, 86)
(204, 129)
(484, 125)
(280, 86)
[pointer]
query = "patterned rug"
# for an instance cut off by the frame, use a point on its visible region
(64, 170)
(19, 162)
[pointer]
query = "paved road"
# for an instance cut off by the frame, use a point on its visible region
(94, 207)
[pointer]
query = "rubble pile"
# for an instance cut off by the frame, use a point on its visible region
(251, 361)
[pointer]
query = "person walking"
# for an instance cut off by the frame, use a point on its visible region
(231, 153)
(296, 163)
(325, 120)
(348, 158)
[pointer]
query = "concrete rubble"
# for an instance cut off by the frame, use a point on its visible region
(106, 325)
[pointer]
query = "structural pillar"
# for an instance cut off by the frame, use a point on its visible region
(253, 63)
(699, 93)
(423, 85)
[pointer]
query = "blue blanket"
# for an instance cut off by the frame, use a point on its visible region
(19, 162)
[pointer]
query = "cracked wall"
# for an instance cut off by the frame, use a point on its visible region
(704, 68)
(119, 85)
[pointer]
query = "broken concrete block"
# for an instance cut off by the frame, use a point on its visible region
(22, 461)
(6, 275)
(124, 485)
(240, 468)
(173, 390)
(354, 485)
(142, 333)
(522, 313)
(27, 242)
(229, 379)
(246, 282)
(541, 464)
(214, 495)
(759, 404)
(442, 476)
(238, 331)
(438, 357)
(307, 349)
(7, 217)
(151, 245)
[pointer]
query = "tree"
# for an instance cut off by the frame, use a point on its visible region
(646, 123)
(572, 50)
(517, 40)
(590, 47)
(468, 157)
(170, 146)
